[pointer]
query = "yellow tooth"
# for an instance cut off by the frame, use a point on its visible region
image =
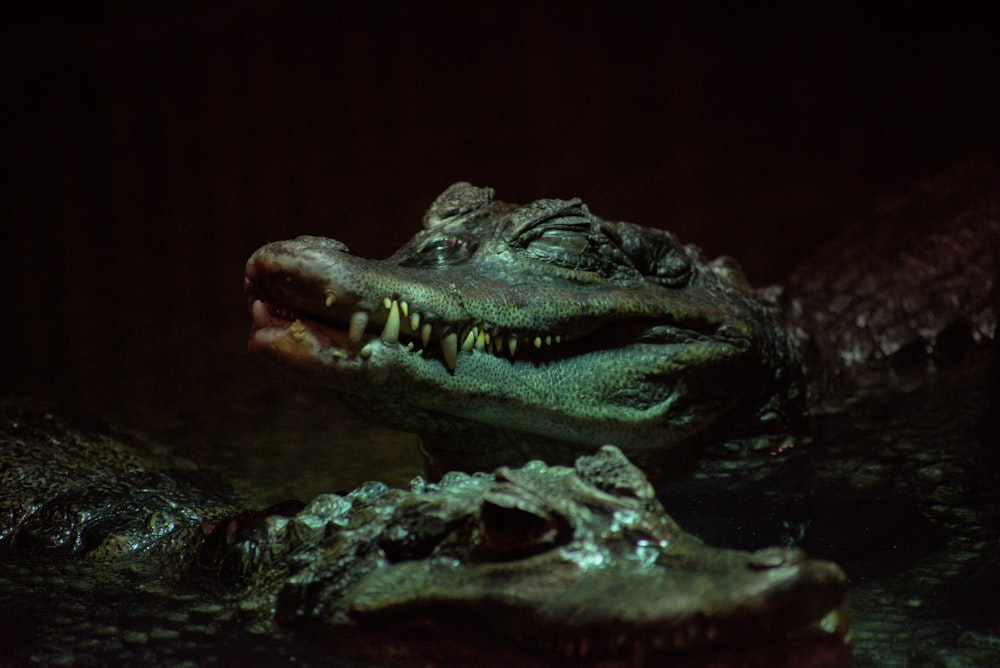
(356, 329)
(414, 321)
(512, 344)
(387, 302)
(558, 339)
(548, 340)
(449, 346)
(481, 340)
(330, 298)
(538, 342)
(469, 340)
(390, 333)
(425, 333)
(404, 308)
(366, 352)
(498, 344)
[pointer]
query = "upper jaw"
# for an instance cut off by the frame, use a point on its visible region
(346, 303)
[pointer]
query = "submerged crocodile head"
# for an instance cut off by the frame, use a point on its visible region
(500, 332)
(538, 561)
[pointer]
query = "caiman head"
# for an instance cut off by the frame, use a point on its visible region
(532, 565)
(502, 332)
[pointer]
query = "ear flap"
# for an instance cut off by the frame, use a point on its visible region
(458, 200)
(655, 253)
(610, 471)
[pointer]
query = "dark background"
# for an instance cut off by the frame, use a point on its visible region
(151, 147)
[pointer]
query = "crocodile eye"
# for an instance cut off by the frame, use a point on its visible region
(558, 243)
(510, 530)
(417, 529)
(570, 246)
(442, 252)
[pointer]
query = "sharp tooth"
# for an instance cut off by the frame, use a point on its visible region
(330, 298)
(548, 340)
(512, 344)
(538, 342)
(356, 329)
(404, 308)
(386, 302)
(558, 339)
(414, 321)
(260, 315)
(481, 340)
(425, 333)
(498, 344)
(449, 346)
(469, 340)
(390, 333)
(366, 352)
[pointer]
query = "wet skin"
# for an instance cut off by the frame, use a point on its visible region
(501, 333)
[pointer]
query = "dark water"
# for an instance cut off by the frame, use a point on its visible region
(899, 488)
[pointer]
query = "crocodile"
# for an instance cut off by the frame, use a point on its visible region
(500, 333)
(526, 565)
(111, 553)
(850, 411)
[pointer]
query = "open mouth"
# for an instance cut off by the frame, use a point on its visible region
(353, 333)
(395, 322)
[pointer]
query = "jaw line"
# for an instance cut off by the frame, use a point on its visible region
(392, 385)
(330, 342)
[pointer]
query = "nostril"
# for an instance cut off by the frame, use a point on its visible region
(775, 557)
(321, 244)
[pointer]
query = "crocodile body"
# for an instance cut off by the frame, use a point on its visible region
(525, 564)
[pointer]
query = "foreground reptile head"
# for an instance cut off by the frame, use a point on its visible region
(579, 561)
(517, 567)
(541, 323)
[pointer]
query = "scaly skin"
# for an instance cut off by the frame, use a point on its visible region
(501, 333)
(71, 491)
(581, 561)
